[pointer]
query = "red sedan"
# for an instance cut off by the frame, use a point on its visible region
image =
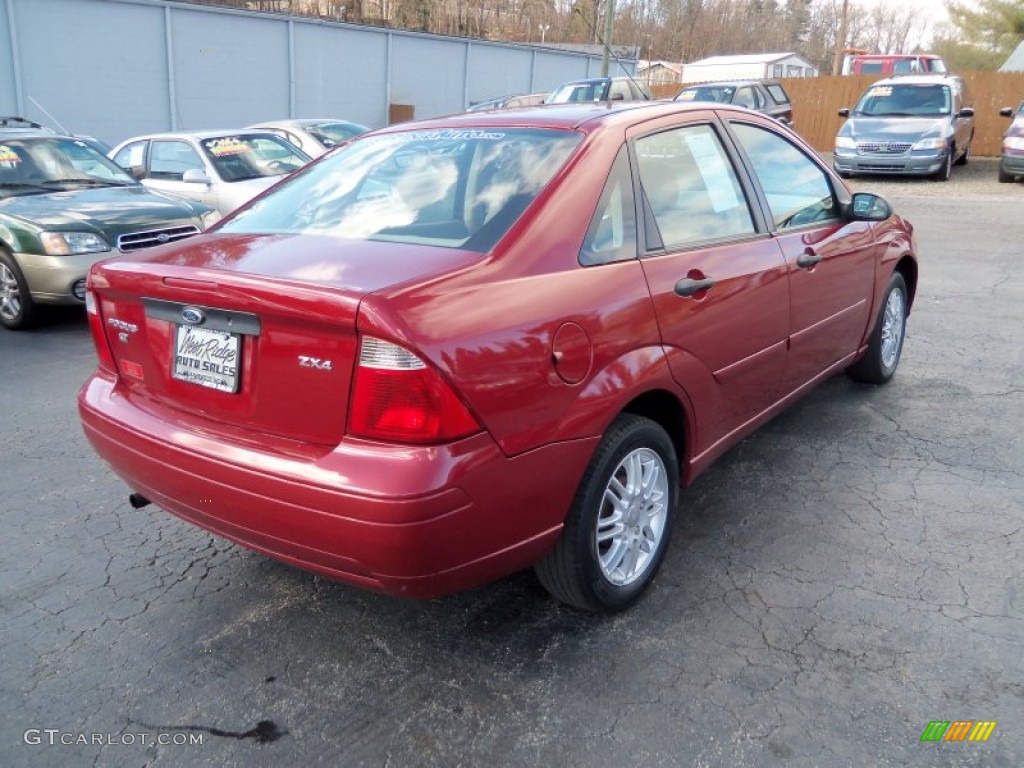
(458, 348)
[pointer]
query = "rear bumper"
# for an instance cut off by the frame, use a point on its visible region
(419, 522)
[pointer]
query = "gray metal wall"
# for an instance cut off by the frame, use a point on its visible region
(119, 68)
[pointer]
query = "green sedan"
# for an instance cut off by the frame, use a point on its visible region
(63, 207)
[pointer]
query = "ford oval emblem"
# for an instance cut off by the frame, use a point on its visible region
(193, 316)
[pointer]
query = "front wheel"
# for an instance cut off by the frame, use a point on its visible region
(886, 343)
(1004, 177)
(946, 170)
(17, 309)
(620, 522)
(966, 156)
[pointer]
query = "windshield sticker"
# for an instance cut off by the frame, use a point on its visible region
(881, 90)
(450, 134)
(225, 147)
(8, 157)
(687, 96)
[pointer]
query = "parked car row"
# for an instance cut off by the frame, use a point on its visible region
(64, 205)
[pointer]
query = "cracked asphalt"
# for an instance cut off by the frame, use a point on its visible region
(838, 580)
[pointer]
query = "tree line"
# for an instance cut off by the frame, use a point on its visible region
(979, 36)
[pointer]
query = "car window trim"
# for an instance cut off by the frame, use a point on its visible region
(645, 217)
(840, 194)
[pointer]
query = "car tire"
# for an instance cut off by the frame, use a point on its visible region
(1005, 178)
(966, 156)
(885, 346)
(17, 309)
(620, 521)
(946, 170)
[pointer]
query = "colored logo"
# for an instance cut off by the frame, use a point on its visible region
(958, 730)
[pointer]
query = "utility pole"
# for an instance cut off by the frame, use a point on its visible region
(837, 58)
(609, 19)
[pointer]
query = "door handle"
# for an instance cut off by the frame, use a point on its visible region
(687, 286)
(807, 259)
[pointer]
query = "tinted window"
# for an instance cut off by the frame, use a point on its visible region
(612, 232)
(778, 93)
(170, 159)
(451, 188)
(690, 187)
(717, 93)
(797, 189)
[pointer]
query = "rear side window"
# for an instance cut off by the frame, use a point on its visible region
(690, 187)
(612, 232)
(778, 93)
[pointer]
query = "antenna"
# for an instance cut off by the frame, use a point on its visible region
(53, 119)
(576, 9)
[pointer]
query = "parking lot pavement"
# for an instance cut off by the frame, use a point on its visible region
(837, 581)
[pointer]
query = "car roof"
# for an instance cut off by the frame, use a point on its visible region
(303, 121)
(199, 135)
(571, 116)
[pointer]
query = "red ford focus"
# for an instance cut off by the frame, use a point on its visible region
(454, 349)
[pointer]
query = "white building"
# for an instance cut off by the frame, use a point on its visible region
(658, 72)
(752, 66)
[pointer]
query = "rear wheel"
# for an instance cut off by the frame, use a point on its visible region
(966, 156)
(620, 522)
(886, 343)
(17, 310)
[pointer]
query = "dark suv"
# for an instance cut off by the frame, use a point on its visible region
(766, 96)
(914, 125)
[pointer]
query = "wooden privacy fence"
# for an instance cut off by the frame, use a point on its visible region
(817, 101)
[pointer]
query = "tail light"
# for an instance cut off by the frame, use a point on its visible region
(99, 336)
(399, 398)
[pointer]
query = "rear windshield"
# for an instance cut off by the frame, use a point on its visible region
(580, 92)
(450, 188)
(778, 93)
(905, 101)
(332, 134)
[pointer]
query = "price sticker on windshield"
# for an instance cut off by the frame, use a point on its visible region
(8, 157)
(881, 90)
(225, 147)
(687, 96)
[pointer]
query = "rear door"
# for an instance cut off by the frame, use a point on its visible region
(830, 261)
(717, 279)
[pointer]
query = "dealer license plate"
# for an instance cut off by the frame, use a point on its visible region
(207, 357)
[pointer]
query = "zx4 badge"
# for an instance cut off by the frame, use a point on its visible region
(315, 362)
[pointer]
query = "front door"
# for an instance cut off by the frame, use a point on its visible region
(830, 261)
(168, 161)
(717, 279)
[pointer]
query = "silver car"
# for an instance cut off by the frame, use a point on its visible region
(220, 168)
(313, 136)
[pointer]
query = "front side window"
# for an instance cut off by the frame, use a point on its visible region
(451, 188)
(239, 158)
(721, 94)
(168, 160)
(131, 155)
(745, 98)
(593, 90)
(691, 188)
(797, 189)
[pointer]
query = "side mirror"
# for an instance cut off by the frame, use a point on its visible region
(137, 172)
(1006, 111)
(195, 176)
(844, 112)
(966, 112)
(869, 207)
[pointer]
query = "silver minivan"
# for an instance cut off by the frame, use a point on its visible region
(907, 125)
